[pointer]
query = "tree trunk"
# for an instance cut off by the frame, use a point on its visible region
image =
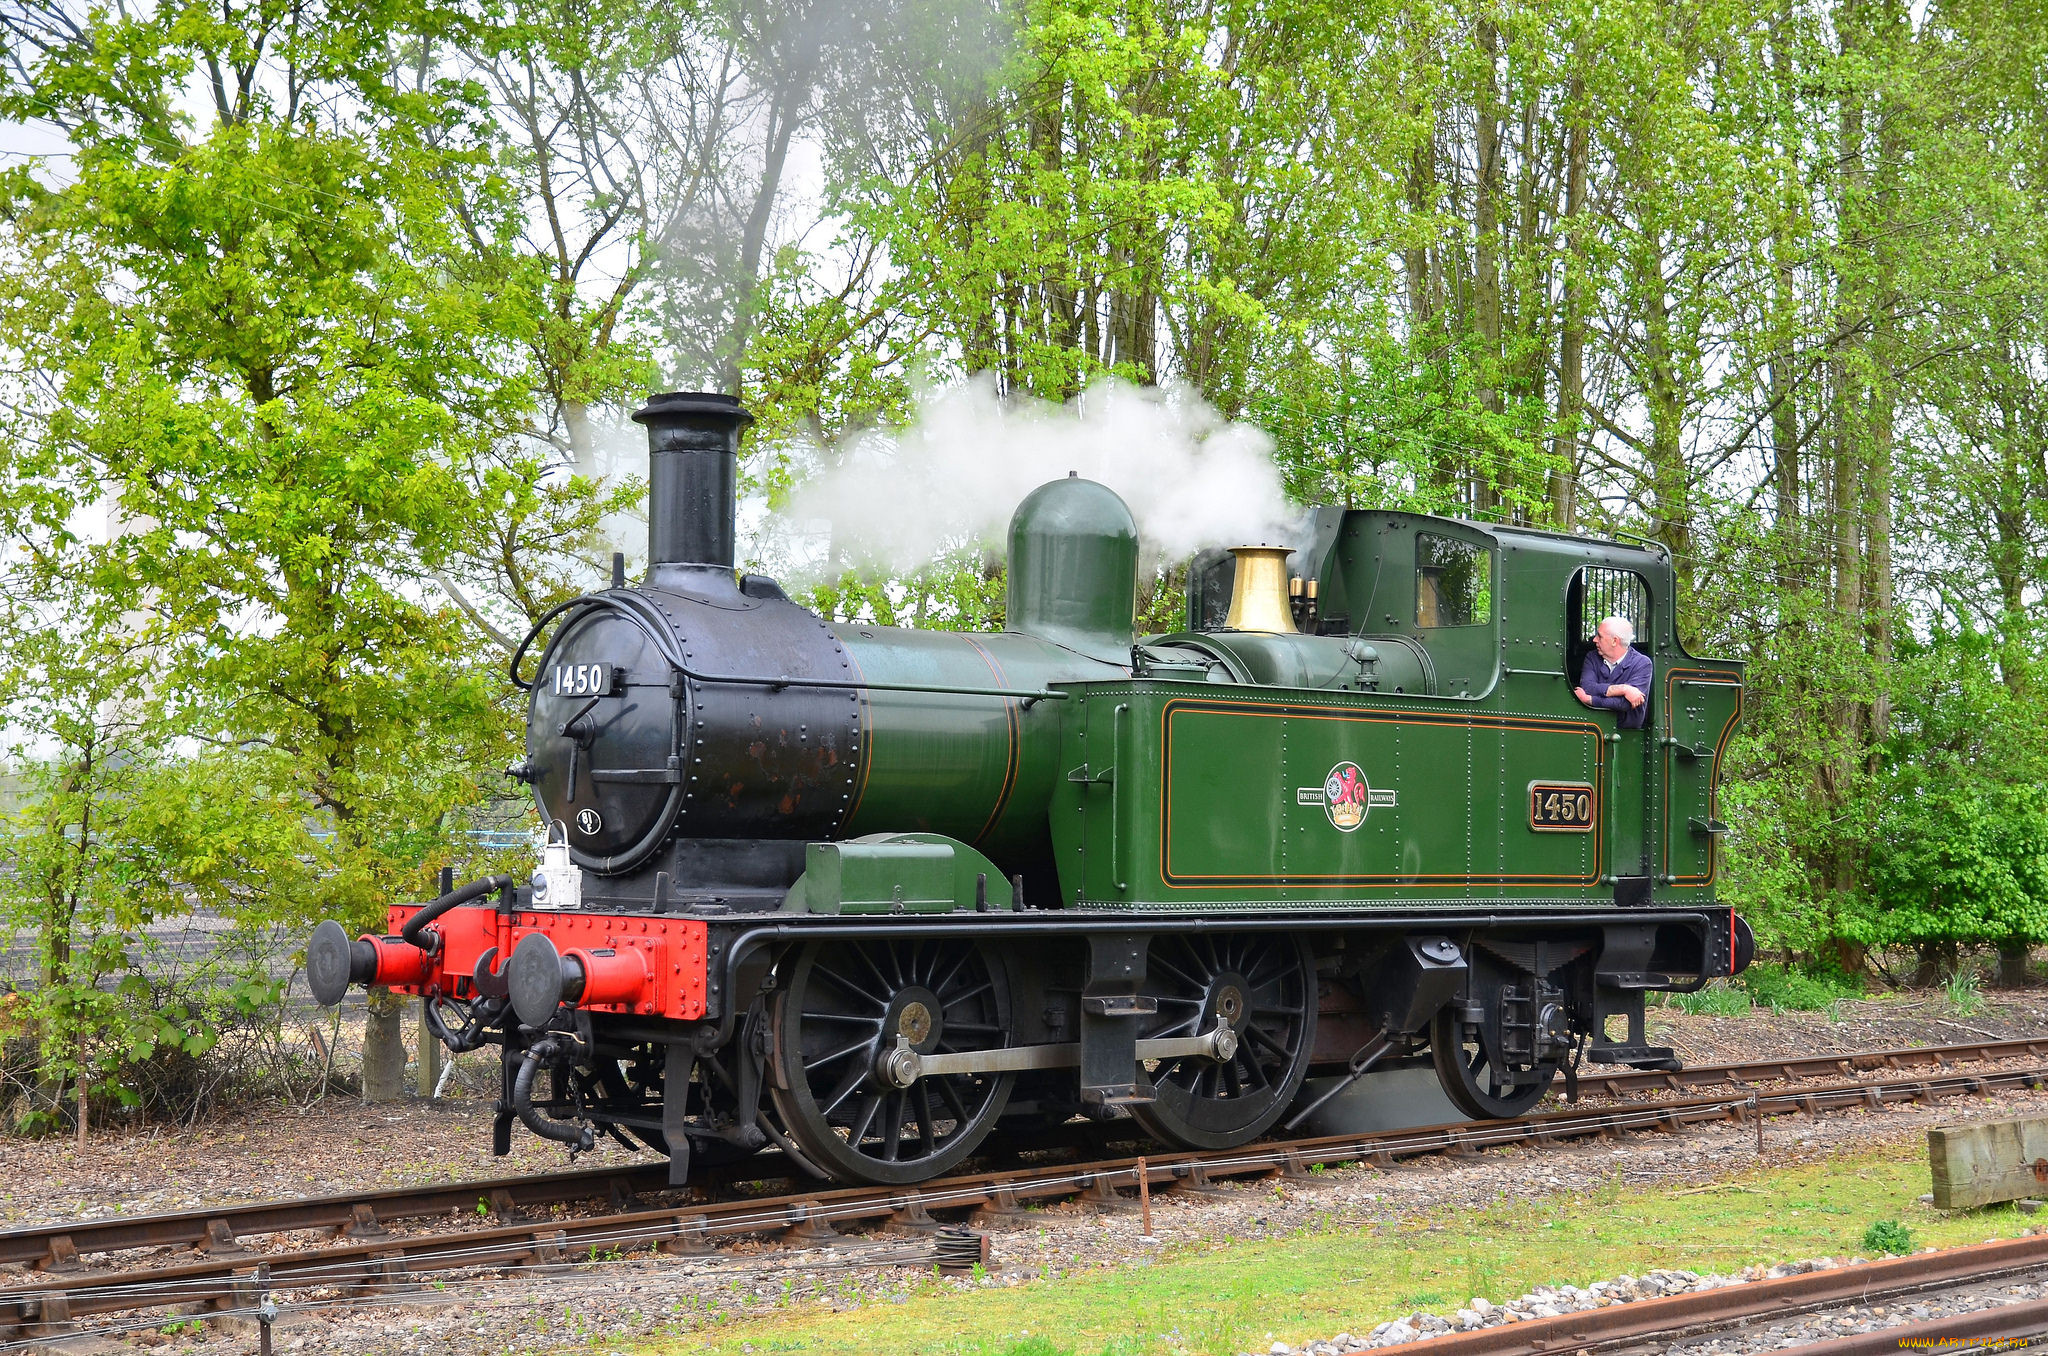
(1571, 353)
(433, 1056)
(1670, 476)
(1486, 255)
(2012, 964)
(383, 1048)
(1785, 321)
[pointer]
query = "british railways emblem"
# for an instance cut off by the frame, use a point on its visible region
(1346, 797)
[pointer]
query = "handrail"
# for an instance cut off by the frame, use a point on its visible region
(636, 607)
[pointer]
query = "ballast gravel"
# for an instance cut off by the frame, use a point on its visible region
(1755, 1336)
(622, 1303)
(1545, 1302)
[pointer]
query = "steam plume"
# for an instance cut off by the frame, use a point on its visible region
(953, 477)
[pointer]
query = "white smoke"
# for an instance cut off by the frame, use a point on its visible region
(951, 479)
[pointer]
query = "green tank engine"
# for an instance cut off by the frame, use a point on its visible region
(868, 893)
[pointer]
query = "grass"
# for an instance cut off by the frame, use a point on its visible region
(1786, 989)
(1718, 999)
(1208, 1296)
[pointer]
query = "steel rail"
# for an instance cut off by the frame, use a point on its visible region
(1952, 1336)
(813, 1217)
(219, 1229)
(1808, 1066)
(1708, 1311)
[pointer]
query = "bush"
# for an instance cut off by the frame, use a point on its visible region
(244, 1058)
(1787, 989)
(1888, 1236)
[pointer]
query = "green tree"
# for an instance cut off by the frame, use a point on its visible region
(280, 343)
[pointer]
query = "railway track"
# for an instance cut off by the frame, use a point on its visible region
(365, 1254)
(1654, 1324)
(221, 1229)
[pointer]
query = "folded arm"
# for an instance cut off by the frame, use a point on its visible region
(1605, 696)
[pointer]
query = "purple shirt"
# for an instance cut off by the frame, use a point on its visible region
(1633, 670)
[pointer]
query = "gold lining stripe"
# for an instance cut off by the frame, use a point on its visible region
(1705, 677)
(1383, 880)
(1010, 711)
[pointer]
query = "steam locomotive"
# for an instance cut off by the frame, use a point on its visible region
(867, 893)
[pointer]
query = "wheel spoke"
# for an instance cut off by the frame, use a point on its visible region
(1159, 963)
(938, 986)
(951, 1097)
(888, 986)
(892, 1142)
(1259, 979)
(927, 1133)
(858, 1131)
(851, 1018)
(986, 986)
(1232, 1084)
(1253, 1066)
(1265, 1038)
(848, 987)
(848, 1085)
(841, 1053)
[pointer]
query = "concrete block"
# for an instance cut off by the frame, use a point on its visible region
(1988, 1162)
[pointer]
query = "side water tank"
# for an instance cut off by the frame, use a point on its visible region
(1074, 569)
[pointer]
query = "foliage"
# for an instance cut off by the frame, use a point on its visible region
(1790, 989)
(1888, 1237)
(277, 343)
(233, 1048)
(1716, 1000)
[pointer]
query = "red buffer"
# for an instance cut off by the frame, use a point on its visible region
(614, 963)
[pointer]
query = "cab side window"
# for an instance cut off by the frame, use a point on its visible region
(1597, 593)
(1453, 582)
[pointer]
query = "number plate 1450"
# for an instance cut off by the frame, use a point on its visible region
(1560, 807)
(581, 680)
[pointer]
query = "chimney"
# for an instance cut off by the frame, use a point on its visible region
(693, 443)
(1258, 596)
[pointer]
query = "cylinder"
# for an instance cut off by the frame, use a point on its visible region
(693, 443)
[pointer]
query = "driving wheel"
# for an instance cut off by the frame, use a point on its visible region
(842, 1008)
(1263, 985)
